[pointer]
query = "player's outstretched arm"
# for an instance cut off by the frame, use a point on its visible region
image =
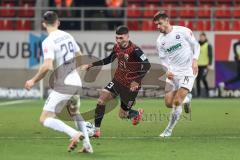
(43, 70)
(104, 61)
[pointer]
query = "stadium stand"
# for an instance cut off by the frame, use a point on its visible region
(137, 14)
(204, 11)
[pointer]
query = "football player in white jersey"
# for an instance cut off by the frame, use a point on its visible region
(178, 51)
(58, 50)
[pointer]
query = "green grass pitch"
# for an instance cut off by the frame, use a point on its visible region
(212, 132)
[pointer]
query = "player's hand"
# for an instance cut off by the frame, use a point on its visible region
(170, 75)
(195, 67)
(134, 86)
(86, 67)
(29, 84)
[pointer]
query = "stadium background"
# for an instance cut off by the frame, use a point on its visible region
(92, 23)
(210, 132)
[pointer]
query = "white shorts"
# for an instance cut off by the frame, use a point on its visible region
(56, 102)
(180, 82)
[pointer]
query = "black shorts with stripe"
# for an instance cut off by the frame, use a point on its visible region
(127, 97)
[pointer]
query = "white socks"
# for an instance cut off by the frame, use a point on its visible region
(174, 117)
(60, 126)
(81, 125)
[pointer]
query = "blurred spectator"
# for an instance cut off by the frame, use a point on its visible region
(65, 13)
(204, 62)
(114, 12)
(64, 3)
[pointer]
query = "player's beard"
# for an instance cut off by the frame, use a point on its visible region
(162, 31)
(123, 44)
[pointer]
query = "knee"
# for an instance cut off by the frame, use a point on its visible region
(177, 102)
(41, 120)
(101, 101)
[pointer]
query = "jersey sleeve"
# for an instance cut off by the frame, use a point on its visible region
(140, 57)
(160, 50)
(162, 56)
(193, 42)
(48, 49)
(107, 60)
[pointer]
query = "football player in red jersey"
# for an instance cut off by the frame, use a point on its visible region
(132, 67)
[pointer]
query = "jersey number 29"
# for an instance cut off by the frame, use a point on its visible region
(67, 47)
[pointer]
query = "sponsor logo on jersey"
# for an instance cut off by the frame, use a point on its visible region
(174, 48)
(126, 57)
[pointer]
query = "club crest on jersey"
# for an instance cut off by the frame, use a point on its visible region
(126, 57)
(177, 36)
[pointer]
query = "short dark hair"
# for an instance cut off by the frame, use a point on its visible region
(160, 15)
(203, 34)
(50, 17)
(122, 30)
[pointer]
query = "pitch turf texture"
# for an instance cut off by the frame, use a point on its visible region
(212, 132)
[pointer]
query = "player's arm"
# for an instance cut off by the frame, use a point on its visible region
(164, 61)
(141, 58)
(193, 42)
(196, 49)
(48, 52)
(105, 61)
(43, 70)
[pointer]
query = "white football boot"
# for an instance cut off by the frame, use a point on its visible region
(87, 148)
(166, 133)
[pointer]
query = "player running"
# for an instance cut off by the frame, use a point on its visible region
(178, 51)
(132, 67)
(58, 48)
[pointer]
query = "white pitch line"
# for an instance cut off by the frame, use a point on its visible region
(129, 138)
(14, 102)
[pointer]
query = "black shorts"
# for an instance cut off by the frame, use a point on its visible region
(127, 97)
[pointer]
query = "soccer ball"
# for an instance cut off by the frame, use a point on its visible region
(90, 128)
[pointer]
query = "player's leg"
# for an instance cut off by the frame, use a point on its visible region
(104, 97)
(204, 79)
(199, 78)
(176, 111)
(170, 92)
(128, 99)
(169, 98)
(48, 119)
(187, 82)
(185, 85)
(126, 112)
(73, 107)
(81, 125)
